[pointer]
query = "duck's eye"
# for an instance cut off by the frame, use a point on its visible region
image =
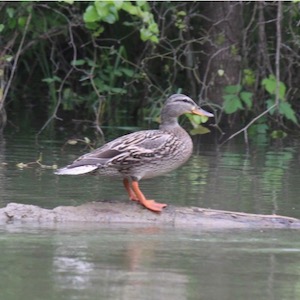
(186, 100)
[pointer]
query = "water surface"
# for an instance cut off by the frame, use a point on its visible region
(115, 262)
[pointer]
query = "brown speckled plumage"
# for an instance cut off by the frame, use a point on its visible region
(143, 154)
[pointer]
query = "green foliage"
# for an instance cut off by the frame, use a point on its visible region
(278, 134)
(235, 99)
(108, 12)
(270, 86)
(108, 71)
(180, 22)
(85, 58)
(196, 122)
(284, 108)
(248, 77)
(108, 76)
(15, 18)
(260, 127)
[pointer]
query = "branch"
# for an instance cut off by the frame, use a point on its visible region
(14, 66)
(277, 70)
(249, 124)
(277, 55)
(54, 114)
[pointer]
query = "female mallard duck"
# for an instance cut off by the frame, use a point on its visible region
(143, 154)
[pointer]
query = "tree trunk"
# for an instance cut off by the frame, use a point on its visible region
(221, 64)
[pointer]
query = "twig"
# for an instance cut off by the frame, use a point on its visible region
(14, 66)
(59, 92)
(99, 96)
(277, 70)
(277, 55)
(249, 124)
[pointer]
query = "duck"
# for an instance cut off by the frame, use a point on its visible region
(143, 154)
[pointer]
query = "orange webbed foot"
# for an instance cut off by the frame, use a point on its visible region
(135, 194)
(154, 206)
(150, 204)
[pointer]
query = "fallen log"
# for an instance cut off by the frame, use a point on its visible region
(131, 213)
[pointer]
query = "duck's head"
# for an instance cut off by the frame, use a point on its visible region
(179, 104)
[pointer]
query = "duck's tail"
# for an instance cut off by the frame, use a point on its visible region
(78, 170)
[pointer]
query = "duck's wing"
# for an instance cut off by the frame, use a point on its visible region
(129, 150)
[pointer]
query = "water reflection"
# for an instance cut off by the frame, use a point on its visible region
(88, 261)
(117, 268)
(3, 175)
(260, 180)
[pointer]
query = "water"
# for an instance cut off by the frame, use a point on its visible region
(115, 262)
(95, 261)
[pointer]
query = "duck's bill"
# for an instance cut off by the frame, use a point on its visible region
(201, 112)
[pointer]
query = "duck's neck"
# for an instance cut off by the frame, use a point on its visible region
(171, 124)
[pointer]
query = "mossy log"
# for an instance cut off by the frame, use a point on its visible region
(132, 213)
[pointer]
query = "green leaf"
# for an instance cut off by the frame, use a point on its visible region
(278, 134)
(196, 119)
(270, 86)
(72, 142)
(110, 19)
(153, 27)
(262, 128)
(199, 130)
(91, 25)
(51, 79)
(87, 140)
(246, 97)
(91, 63)
(147, 35)
(99, 30)
(7, 58)
(181, 13)
(288, 112)
(232, 89)
(68, 1)
(22, 21)
(10, 11)
(128, 72)
(232, 103)
(78, 62)
(118, 90)
(128, 7)
(270, 103)
(2, 27)
(249, 77)
(117, 72)
(118, 4)
(258, 129)
(142, 3)
(90, 15)
(282, 89)
(106, 11)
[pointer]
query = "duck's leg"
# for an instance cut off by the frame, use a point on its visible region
(131, 194)
(150, 204)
